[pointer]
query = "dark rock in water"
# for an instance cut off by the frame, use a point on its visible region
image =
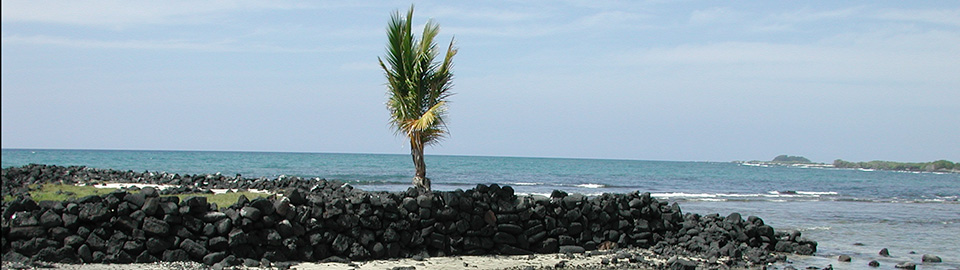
(906, 265)
(928, 258)
(844, 258)
(874, 263)
(884, 252)
(572, 249)
(829, 267)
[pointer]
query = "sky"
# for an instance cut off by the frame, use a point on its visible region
(647, 80)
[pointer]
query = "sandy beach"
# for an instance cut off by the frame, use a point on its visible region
(619, 259)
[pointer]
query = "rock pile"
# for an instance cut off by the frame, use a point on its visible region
(317, 220)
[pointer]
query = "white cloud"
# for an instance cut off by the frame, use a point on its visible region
(91, 12)
(714, 15)
(172, 44)
(587, 23)
(483, 14)
(807, 15)
(945, 17)
(912, 58)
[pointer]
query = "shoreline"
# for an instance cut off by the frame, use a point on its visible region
(630, 258)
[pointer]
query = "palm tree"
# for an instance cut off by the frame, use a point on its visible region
(418, 87)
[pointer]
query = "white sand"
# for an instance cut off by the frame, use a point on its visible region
(576, 261)
(162, 187)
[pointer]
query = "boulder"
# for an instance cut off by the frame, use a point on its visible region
(146, 257)
(50, 219)
(251, 213)
(512, 250)
(26, 232)
(149, 192)
(571, 249)
(425, 201)
(844, 258)
(342, 243)
(681, 264)
(410, 204)
(155, 226)
(504, 238)
(906, 265)
(510, 228)
(194, 249)
(928, 258)
(176, 255)
(94, 212)
(213, 258)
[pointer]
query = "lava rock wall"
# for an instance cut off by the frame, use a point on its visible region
(319, 220)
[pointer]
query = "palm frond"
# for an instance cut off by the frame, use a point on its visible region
(418, 86)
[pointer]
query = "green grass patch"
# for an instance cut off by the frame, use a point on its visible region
(223, 199)
(60, 192)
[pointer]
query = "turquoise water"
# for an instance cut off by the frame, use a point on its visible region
(901, 211)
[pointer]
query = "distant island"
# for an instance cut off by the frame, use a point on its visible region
(799, 161)
(935, 166)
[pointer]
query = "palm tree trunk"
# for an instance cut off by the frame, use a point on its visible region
(420, 179)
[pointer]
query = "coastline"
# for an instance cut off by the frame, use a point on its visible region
(506, 224)
(861, 166)
(631, 258)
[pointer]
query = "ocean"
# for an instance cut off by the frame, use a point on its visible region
(849, 212)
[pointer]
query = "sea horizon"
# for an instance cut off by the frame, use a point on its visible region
(373, 153)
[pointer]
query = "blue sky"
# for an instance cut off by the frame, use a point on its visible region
(656, 80)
